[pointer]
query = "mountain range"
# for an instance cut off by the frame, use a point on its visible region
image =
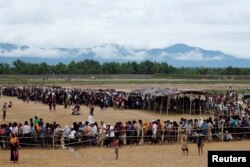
(177, 55)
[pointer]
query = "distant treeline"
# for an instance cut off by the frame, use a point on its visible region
(95, 67)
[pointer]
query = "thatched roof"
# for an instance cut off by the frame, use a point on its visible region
(161, 92)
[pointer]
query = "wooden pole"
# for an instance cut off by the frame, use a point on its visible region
(200, 105)
(222, 132)
(183, 110)
(190, 99)
(161, 104)
(154, 104)
(142, 136)
(149, 106)
(62, 141)
(53, 140)
(167, 104)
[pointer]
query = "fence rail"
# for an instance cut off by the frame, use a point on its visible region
(128, 137)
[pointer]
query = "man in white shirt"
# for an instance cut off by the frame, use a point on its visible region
(72, 133)
(91, 118)
(26, 129)
(102, 134)
(26, 132)
(14, 128)
(93, 132)
(112, 132)
(200, 122)
(154, 131)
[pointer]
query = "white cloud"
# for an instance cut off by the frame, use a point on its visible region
(211, 24)
(107, 52)
(195, 56)
(35, 52)
(112, 52)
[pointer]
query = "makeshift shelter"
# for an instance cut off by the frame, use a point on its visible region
(172, 100)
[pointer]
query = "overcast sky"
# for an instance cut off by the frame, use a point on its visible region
(211, 24)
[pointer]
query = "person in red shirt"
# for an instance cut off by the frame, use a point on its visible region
(116, 145)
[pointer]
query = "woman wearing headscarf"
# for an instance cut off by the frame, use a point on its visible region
(14, 143)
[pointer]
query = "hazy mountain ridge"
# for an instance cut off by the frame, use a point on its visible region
(176, 55)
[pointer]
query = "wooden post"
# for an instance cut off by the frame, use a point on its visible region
(154, 104)
(222, 133)
(53, 140)
(161, 104)
(167, 104)
(142, 136)
(62, 141)
(125, 139)
(190, 99)
(183, 110)
(200, 109)
(149, 106)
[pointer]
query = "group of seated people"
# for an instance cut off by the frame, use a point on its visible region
(76, 110)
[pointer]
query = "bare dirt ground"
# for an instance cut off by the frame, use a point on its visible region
(149, 155)
(132, 156)
(22, 111)
(129, 87)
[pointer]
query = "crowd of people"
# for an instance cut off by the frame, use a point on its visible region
(226, 104)
(72, 96)
(36, 132)
(231, 122)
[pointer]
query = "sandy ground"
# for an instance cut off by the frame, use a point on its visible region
(128, 87)
(146, 156)
(22, 111)
(149, 155)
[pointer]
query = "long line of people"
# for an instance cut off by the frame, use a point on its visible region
(69, 96)
(226, 104)
(36, 132)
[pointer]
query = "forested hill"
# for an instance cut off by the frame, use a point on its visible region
(95, 67)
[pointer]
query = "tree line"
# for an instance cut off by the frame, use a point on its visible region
(95, 67)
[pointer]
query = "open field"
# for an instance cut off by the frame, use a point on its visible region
(122, 79)
(23, 111)
(128, 82)
(132, 156)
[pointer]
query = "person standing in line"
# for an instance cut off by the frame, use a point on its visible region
(184, 143)
(14, 143)
(91, 117)
(116, 145)
(4, 109)
(102, 134)
(200, 144)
